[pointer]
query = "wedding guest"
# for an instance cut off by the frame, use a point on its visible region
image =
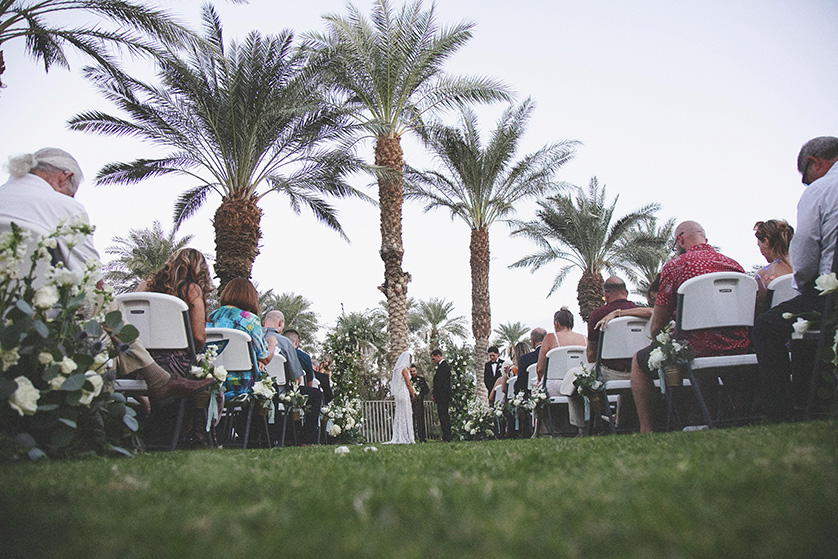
(773, 238)
(563, 335)
(186, 276)
(240, 310)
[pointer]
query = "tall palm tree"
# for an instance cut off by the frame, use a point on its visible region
(510, 333)
(140, 254)
(482, 185)
(297, 312)
(438, 322)
(389, 70)
(241, 122)
(579, 230)
(42, 25)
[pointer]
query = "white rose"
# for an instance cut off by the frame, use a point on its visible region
(9, 358)
(25, 399)
(662, 337)
(45, 358)
(100, 359)
(45, 297)
(800, 326)
(827, 283)
(197, 372)
(334, 431)
(57, 381)
(656, 358)
(68, 366)
(788, 315)
(96, 380)
(220, 373)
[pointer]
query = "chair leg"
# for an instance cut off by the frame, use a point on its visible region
(178, 423)
(247, 424)
(700, 398)
(611, 423)
(267, 430)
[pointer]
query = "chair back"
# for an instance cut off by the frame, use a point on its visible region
(162, 320)
(532, 375)
(39, 278)
(499, 394)
(563, 358)
(276, 367)
(716, 300)
(780, 290)
(622, 338)
(510, 387)
(237, 355)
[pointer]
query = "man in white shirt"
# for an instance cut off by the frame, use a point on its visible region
(811, 251)
(39, 195)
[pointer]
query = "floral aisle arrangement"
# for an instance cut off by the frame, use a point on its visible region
(294, 400)
(826, 284)
(478, 422)
(668, 355)
(53, 360)
(344, 420)
(204, 368)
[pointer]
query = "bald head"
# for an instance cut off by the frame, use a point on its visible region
(537, 336)
(688, 234)
(614, 289)
(274, 319)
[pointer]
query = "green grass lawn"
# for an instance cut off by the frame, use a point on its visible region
(747, 492)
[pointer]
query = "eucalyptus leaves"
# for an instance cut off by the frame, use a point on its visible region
(56, 343)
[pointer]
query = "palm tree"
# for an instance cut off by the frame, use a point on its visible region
(645, 264)
(45, 40)
(579, 230)
(438, 324)
(389, 70)
(297, 312)
(241, 122)
(482, 185)
(510, 334)
(140, 254)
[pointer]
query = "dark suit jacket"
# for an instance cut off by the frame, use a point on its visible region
(526, 360)
(490, 378)
(305, 361)
(442, 384)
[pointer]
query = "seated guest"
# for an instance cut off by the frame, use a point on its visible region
(240, 310)
(186, 276)
(324, 380)
(315, 396)
(531, 358)
(773, 238)
(616, 305)
(563, 335)
(812, 250)
(40, 193)
(696, 258)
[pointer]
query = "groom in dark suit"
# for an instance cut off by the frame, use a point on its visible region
(442, 393)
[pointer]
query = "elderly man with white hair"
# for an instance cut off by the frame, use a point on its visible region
(39, 194)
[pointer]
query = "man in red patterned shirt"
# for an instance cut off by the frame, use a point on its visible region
(696, 258)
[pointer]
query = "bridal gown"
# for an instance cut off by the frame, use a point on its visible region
(403, 420)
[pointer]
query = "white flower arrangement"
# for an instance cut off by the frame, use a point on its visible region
(668, 351)
(55, 346)
(344, 420)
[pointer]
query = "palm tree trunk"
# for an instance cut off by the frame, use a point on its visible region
(481, 312)
(388, 153)
(237, 234)
(589, 293)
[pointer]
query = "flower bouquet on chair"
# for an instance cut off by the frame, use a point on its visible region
(588, 385)
(667, 357)
(213, 399)
(295, 401)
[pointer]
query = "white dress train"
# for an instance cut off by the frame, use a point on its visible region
(403, 420)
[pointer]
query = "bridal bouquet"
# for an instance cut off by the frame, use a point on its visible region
(56, 344)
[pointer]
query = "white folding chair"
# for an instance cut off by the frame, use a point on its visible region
(711, 301)
(163, 323)
(510, 387)
(621, 339)
(276, 370)
(559, 361)
(237, 357)
(780, 290)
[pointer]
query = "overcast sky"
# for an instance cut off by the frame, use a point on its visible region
(701, 106)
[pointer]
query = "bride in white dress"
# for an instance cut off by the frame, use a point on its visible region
(403, 392)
